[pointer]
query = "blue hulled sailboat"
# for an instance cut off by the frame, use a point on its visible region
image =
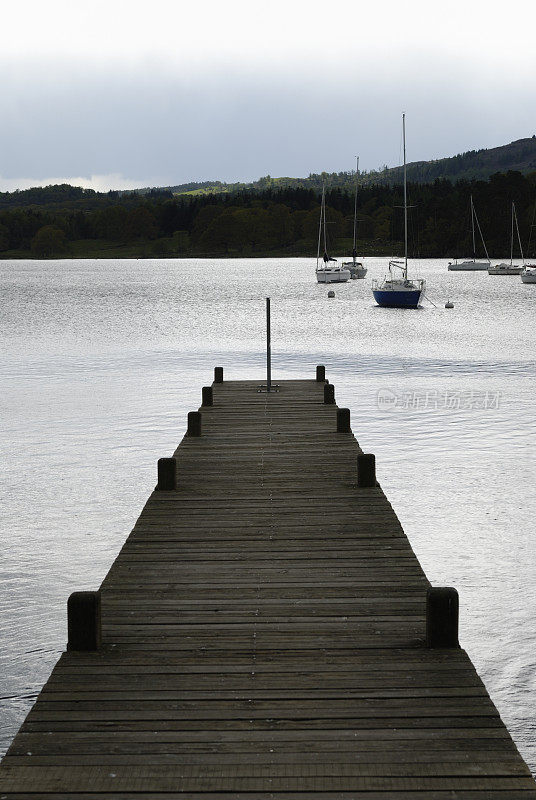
(400, 292)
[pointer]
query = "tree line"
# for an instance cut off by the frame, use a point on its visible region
(58, 221)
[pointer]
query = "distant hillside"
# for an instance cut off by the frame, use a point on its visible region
(63, 196)
(475, 164)
(519, 156)
(59, 221)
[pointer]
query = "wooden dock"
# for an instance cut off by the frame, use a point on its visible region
(263, 635)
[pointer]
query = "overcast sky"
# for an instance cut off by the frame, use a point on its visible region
(122, 94)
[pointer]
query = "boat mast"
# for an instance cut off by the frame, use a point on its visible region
(532, 226)
(473, 227)
(325, 237)
(354, 252)
(512, 236)
(405, 201)
(514, 217)
(320, 226)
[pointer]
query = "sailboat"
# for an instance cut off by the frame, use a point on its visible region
(510, 269)
(357, 270)
(529, 272)
(327, 272)
(400, 292)
(472, 264)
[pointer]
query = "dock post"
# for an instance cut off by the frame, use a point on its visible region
(84, 621)
(167, 474)
(268, 348)
(366, 470)
(194, 423)
(343, 420)
(207, 395)
(442, 613)
(320, 373)
(329, 394)
(218, 374)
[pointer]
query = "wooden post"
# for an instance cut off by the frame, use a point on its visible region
(167, 474)
(268, 348)
(343, 420)
(218, 374)
(194, 423)
(320, 373)
(84, 621)
(442, 613)
(207, 395)
(366, 470)
(329, 393)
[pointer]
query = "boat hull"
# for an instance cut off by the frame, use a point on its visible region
(505, 269)
(356, 271)
(529, 277)
(469, 266)
(387, 298)
(328, 276)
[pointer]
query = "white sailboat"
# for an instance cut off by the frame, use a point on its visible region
(529, 273)
(511, 268)
(400, 292)
(357, 270)
(328, 271)
(472, 264)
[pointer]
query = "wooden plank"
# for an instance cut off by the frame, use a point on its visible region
(249, 768)
(186, 779)
(487, 794)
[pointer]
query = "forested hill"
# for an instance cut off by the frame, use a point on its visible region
(475, 164)
(66, 222)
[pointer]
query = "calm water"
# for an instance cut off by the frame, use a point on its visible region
(103, 359)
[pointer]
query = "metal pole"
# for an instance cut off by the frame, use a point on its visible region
(268, 348)
(405, 202)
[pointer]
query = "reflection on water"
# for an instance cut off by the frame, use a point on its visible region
(103, 359)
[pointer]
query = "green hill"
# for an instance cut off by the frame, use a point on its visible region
(474, 164)
(519, 156)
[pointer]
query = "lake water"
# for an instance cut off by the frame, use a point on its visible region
(103, 359)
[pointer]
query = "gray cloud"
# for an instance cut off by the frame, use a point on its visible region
(151, 125)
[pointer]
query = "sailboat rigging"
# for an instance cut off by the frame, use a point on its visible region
(472, 264)
(357, 270)
(529, 272)
(400, 292)
(510, 269)
(325, 272)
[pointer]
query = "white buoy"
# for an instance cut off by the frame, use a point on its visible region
(331, 293)
(448, 304)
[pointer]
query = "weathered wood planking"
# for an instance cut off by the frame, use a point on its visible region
(264, 637)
